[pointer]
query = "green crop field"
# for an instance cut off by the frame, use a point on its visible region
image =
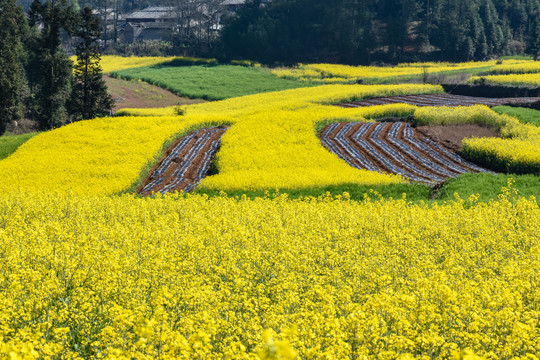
(529, 116)
(10, 143)
(210, 82)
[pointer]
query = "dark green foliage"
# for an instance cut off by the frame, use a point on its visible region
(12, 28)
(361, 31)
(51, 74)
(89, 98)
(533, 45)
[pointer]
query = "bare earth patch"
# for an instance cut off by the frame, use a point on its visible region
(186, 162)
(139, 94)
(452, 135)
(398, 148)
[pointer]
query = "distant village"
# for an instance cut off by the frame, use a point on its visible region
(161, 23)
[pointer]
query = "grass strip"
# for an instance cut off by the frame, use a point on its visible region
(528, 116)
(486, 186)
(10, 143)
(489, 186)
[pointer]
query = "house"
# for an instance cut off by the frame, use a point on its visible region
(233, 5)
(133, 32)
(153, 14)
(159, 22)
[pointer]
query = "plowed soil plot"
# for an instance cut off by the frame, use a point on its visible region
(395, 148)
(439, 100)
(185, 164)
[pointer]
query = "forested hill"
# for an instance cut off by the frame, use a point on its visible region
(363, 31)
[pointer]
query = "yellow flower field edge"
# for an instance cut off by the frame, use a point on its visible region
(272, 143)
(185, 277)
(99, 156)
(520, 68)
(518, 151)
(505, 155)
(336, 73)
(110, 63)
(513, 79)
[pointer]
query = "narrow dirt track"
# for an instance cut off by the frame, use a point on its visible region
(186, 163)
(395, 148)
(439, 100)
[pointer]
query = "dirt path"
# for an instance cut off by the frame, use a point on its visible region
(139, 94)
(186, 162)
(397, 148)
(439, 100)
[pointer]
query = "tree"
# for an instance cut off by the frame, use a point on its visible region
(89, 98)
(53, 79)
(12, 26)
(533, 45)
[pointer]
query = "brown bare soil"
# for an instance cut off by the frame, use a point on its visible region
(452, 135)
(439, 100)
(399, 149)
(186, 162)
(139, 94)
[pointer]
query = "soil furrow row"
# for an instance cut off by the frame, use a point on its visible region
(186, 162)
(395, 148)
(439, 100)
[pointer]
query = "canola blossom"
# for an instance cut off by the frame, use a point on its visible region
(520, 68)
(192, 277)
(110, 63)
(100, 156)
(512, 79)
(335, 73)
(518, 151)
(272, 143)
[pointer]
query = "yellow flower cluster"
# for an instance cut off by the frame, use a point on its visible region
(272, 143)
(528, 67)
(517, 152)
(192, 277)
(110, 63)
(334, 73)
(512, 79)
(100, 156)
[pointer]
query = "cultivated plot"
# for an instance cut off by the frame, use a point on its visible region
(187, 162)
(439, 100)
(395, 148)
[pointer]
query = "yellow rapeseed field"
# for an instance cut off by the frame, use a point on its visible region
(518, 151)
(520, 68)
(512, 79)
(110, 63)
(272, 143)
(85, 274)
(188, 277)
(336, 73)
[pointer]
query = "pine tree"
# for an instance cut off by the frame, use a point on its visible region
(89, 98)
(54, 78)
(533, 45)
(12, 23)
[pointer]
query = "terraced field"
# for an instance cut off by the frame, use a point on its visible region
(439, 100)
(186, 164)
(395, 148)
(92, 270)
